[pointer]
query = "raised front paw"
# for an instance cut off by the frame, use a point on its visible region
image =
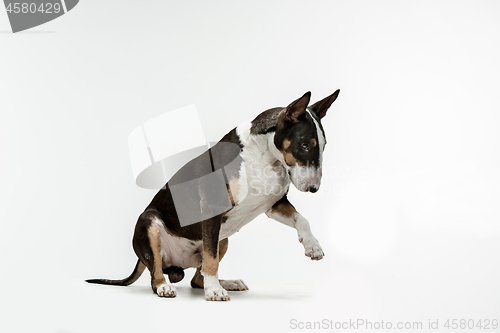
(216, 294)
(312, 249)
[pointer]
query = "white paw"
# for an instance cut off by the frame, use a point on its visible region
(234, 285)
(216, 294)
(312, 248)
(166, 290)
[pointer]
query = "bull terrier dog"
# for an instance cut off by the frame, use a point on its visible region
(189, 221)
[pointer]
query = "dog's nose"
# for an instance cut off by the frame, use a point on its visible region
(312, 189)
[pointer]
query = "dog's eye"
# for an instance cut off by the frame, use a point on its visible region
(305, 146)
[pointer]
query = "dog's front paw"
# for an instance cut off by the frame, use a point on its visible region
(216, 294)
(166, 290)
(233, 285)
(312, 249)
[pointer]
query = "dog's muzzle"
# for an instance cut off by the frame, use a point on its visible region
(305, 179)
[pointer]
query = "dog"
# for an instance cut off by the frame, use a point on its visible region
(188, 226)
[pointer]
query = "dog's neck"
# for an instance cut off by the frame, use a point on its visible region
(274, 151)
(257, 137)
(265, 126)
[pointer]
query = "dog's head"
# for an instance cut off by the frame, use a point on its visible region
(301, 139)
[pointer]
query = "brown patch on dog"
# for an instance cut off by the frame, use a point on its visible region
(288, 156)
(284, 208)
(313, 142)
(234, 190)
(197, 280)
(210, 264)
(154, 239)
(223, 244)
(290, 159)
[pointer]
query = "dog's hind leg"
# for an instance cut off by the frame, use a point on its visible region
(232, 285)
(147, 246)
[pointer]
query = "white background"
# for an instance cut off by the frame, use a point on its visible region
(408, 212)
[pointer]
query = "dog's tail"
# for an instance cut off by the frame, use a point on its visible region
(138, 270)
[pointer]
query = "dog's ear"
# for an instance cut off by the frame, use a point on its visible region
(322, 106)
(297, 108)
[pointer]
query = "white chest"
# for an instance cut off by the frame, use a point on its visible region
(262, 181)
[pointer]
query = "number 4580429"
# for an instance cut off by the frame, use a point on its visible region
(24, 7)
(484, 324)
